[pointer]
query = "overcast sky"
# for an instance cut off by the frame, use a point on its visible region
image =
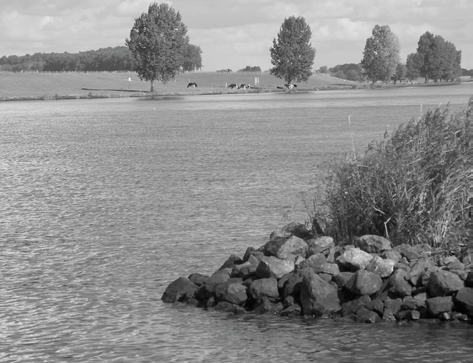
(236, 33)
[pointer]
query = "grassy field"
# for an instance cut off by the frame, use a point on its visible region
(124, 84)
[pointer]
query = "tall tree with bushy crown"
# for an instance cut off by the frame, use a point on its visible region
(157, 43)
(381, 54)
(292, 54)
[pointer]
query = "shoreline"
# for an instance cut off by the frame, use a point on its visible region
(127, 93)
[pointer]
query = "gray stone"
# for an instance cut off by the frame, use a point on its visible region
(393, 304)
(319, 245)
(297, 229)
(293, 310)
(421, 265)
(354, 259)
(265, 289)
(342, 278)
(382, 267)
(438, 305)
(288, 248)
(392, 255)
(219, 277)
(407, 251)
(313, 262)
(318, 297)
(443, 282)
(398, 284)
(180, 290)
(363, 315)
(267, 307)
(235, 294)
(364, 283)
(274, 267)
(373, 244)
(229, 308)
(464, 300)
(198, 279)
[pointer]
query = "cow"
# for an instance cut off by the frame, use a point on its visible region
(192, 85)
(279, 87)
(290, 86)
(233, 86)
(244, 86)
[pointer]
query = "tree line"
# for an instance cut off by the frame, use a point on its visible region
(103, 60)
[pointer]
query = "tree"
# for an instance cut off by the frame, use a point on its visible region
(157, 43)
(413, 64)
(381, 54)
(292, 54)
(400, 73)
(323, 69)
(192, 58)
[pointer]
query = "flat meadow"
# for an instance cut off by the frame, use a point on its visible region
(32, 85)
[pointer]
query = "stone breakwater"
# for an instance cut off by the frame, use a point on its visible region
(297, 273)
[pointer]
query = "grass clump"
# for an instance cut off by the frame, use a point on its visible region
(415, 186)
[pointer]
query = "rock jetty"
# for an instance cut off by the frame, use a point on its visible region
(299, 273)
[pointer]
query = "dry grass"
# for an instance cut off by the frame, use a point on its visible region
(110, 84)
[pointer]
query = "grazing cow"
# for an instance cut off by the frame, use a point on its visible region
(290, 86)
(244, 86)
(233, 86)
(192, 85)
(279, 87)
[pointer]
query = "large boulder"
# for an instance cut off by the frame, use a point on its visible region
(265, 289)
(229, 308)
(364, 283)
(219, 277)
(398, 285)
(235, 293)
(363, 315)
(313, 262)
(354, 259)
(247, 268)
(292, 229)
(407, 251)
(198, 279)
(464, 300)
(438, 305)
(292, 285)
(443, 283)
(231, 262)
(420, 266)
(286, 248)
(182, 290)
(372, 243)
(382, 267)
(274, 267)
(318, 297)
(319, 245)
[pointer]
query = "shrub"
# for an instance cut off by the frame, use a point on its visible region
(415, 186)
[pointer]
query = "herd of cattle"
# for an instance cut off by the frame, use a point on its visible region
(245, 86)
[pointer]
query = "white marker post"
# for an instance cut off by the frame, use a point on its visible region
(129, 81)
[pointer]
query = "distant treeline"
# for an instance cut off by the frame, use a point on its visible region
(103, 60)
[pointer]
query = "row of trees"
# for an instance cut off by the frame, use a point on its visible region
(436, 59)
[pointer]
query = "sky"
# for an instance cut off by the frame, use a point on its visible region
(236, 33)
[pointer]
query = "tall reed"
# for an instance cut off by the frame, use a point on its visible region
(414, 186)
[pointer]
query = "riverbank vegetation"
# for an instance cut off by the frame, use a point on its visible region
(414, 186)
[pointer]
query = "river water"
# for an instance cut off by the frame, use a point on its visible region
(106, 202)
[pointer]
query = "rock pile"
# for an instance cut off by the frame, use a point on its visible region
(298, 273)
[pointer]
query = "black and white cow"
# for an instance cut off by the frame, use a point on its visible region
(233, 86)
(244, 86)
(279, 87)
(290, 86)
(192, 85)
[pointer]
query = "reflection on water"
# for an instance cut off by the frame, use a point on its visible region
(105, 202)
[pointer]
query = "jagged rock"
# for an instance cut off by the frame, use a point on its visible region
(388, 315)
(266, 288)
(231, 262)
(221, 288)
(245, 269)
(453, 263)
(373, 244)
(297, 262)
(292, 229)
(393, 304)
(410, 303)
(443, 283)
(382, 267)
(425, 276)
(438, 305)
(363, 315)
(421, 265)
(235, 293)
(342, 278)
(391, 255)
(350, 307)
(423, 249)
(407, 315)
(292, 310)
(376, 305)
(230, 308)
(266, 307)
(407, 251)
(354, 259)
(181, 290)
(313, 262)
(274, 267)
(469, 279)
(319, 245)
(198, 279)
(250, 251)
(286, 248)
(398, 284)
(219, 277)
(364, 283)
(464, 300)
(318, 297)
(462, 274)
(292, 286)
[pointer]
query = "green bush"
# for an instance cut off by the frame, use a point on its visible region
(415, 186)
